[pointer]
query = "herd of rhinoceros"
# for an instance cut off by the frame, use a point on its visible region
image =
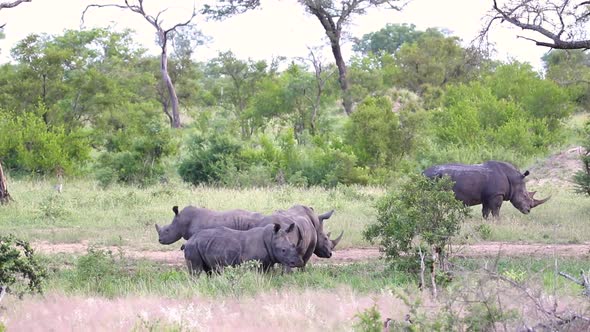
(216, 239)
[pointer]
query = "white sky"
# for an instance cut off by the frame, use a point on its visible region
(279, 27)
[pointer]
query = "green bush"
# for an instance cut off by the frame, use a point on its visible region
(210, 159)
(369, 320)
(35, 147)
(582, 177)
(421, 212)
(384, 130)
(136, 155)
(20, 268)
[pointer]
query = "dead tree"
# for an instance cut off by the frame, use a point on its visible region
(559, 24)
(4, 195)
(334, 15)
(584, 282)
(11, 4)
(163, 38)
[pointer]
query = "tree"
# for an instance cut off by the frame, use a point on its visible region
(582, 177)
(11, 4)
(387, 40)
(334, 16)
(221, 10)
(559, 24)
(163, 36)
(4, 195)
(241, 80)
(571, 70)
(435, 60)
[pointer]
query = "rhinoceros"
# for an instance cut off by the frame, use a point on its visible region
(309, 226)
(212, 249)
(306, 219)
(488, 184)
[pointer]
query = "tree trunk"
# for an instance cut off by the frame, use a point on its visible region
(342, 76)
(171, 90)
(4, 195)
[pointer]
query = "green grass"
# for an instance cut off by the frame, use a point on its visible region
(114, 275)
(125, 216)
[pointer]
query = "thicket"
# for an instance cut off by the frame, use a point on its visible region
(582, 177)
(20, 269)
(251, 124)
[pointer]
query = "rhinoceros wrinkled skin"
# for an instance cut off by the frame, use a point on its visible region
(311, 226)
(308, 236)
(488, 184)
(212, 249)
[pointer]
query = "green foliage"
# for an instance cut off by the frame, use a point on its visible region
(569, 69)
(135, 155)
(210, 159)
(369, 320)
(383, 130)
(420, 212)
(387, 40)
(511, 112)
(434, 59)
(20, 268)
(582, 177)
(38, 148)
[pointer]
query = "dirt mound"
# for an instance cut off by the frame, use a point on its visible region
(558, 168)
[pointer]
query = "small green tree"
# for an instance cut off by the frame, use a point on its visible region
(582, 177)
(19, 267)
(422, 213)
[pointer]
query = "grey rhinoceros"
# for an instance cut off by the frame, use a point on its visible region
(309, 236)
(212, 249)
(488, 184)
(311, 227)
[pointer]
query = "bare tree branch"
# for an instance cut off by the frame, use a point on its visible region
(562, 23)
(12, 4)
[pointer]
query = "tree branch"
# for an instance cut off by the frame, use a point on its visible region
(12, 4)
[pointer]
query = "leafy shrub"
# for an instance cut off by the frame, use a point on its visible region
(369, 320)
(20, 268)
(210, 159)
(135, 155)
(420, 212)
(35, 147)
(383, 130)
(96, 272)
(582, 177)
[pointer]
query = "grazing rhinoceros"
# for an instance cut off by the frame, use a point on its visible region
(488, 184)
(212, 249)
(311, 227)
(309, 236)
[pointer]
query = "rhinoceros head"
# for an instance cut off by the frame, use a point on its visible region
(170, 233)
(522, 199)
(325, 245)
(283, 249)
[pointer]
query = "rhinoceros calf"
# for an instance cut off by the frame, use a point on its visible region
(309, 236)
(488, 184)
(212, 249)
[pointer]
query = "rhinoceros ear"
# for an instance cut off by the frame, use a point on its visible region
(277, 227)
(526, 173)
(175, 210)
(290, 228)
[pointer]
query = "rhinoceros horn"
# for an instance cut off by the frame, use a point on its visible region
(158, 228)
(326, 215)
(537, 202)
(335, 242)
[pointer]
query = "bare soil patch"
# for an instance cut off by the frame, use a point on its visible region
(347, 255)
(558, 169)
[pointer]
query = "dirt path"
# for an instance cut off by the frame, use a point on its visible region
(484, 249)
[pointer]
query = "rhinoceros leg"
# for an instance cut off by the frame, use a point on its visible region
(492, 205)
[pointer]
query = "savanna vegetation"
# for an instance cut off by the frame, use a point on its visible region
(96, 150)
